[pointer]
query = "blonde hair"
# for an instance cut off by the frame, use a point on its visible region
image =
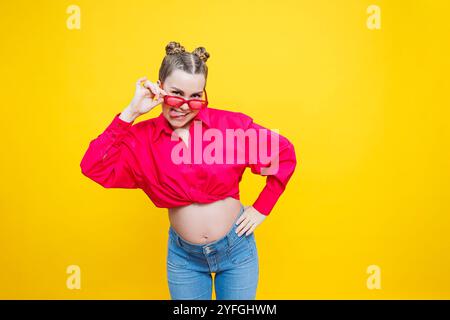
(177, 58)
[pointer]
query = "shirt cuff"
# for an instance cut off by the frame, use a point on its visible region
(267, 200)
(119, 124)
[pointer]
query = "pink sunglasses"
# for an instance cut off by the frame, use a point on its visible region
(194, 104)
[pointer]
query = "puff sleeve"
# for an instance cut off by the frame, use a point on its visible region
(278, 166)
(110, 159)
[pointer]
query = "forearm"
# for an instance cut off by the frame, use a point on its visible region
(278, 171)
(108, 157)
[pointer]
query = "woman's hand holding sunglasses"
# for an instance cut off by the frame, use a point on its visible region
(147, 96)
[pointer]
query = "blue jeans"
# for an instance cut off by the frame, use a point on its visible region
(233, 259)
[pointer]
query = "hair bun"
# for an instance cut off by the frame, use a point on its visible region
(174, 48)
(201, 53)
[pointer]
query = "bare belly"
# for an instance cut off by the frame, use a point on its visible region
(204, 223)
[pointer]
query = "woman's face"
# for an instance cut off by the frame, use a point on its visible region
(185, 85)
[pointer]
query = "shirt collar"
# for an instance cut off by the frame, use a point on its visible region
(161, 123)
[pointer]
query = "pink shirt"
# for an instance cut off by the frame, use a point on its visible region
(141, 156)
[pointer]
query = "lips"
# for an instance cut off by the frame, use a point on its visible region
(176, 114)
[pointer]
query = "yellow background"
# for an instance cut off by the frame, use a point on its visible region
(367, 110)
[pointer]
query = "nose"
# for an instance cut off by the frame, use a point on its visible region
(184, 107)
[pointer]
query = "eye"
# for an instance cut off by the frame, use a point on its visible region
(195, 95)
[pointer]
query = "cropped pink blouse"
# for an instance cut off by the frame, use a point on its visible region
(150, 155)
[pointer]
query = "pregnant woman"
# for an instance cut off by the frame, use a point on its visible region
(184, 160)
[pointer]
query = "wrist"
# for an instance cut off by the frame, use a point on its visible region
(128, 115)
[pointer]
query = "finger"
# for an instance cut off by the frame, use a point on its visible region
(147, 92)
(242, 216)
(140, 80)
(244, 230)
(149, 86)
(159, 100)
(161, 91)
(152, 87)
(155, 90)
(251, 230)
(242, 225)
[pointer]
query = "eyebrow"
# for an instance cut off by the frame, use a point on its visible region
(183, 91)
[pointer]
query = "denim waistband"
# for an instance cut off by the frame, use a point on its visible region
(217, 245)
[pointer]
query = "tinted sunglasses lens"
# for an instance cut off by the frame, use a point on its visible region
(173, 101)
(196, 105)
